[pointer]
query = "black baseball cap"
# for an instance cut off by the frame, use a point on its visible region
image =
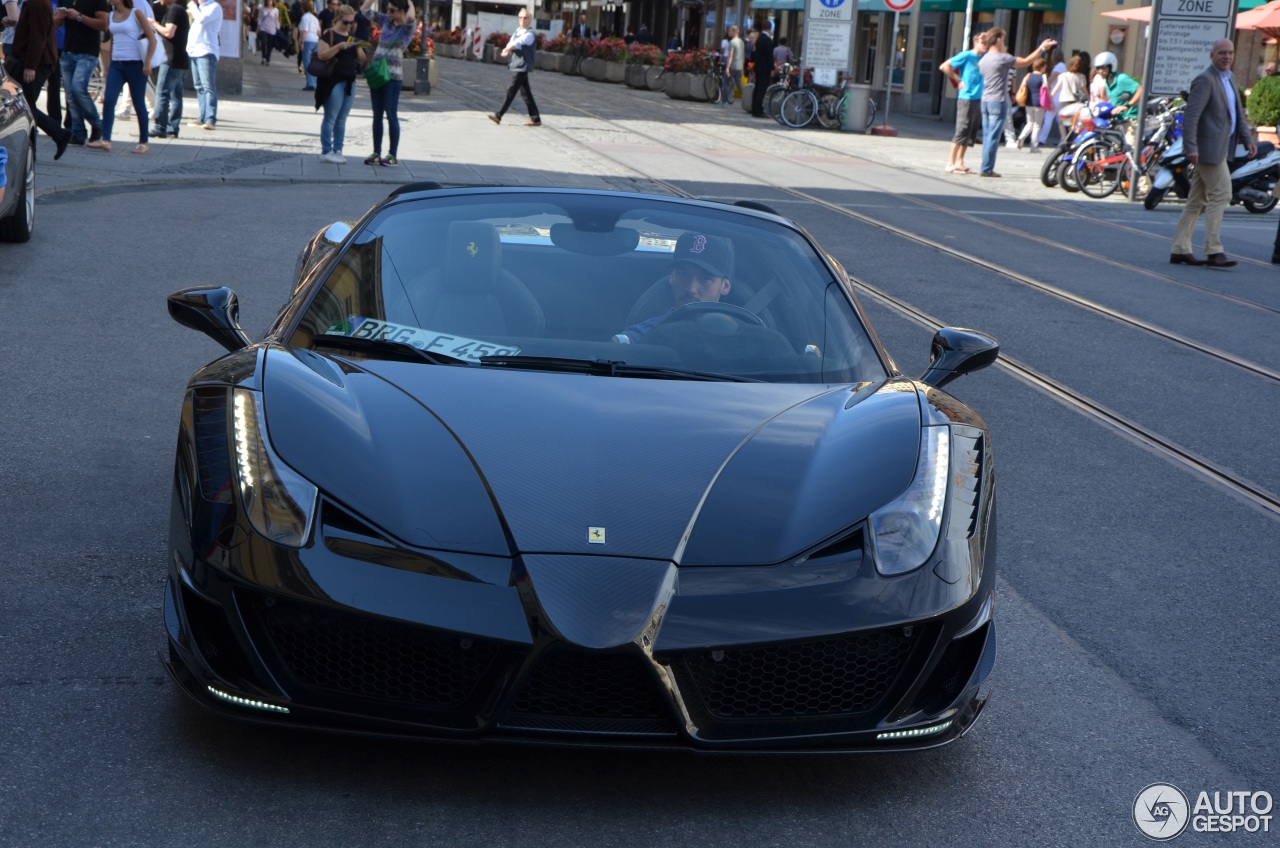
(712, 254)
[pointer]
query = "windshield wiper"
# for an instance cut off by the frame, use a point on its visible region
(609, 368)
(381, 347)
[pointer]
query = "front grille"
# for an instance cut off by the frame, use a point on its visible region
(840, 676)
(603, 693)
(365, 658)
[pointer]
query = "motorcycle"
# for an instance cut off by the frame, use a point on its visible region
(1252, 180)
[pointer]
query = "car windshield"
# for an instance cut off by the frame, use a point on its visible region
(590, 283)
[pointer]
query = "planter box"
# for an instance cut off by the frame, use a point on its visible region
(657, 82)
(547, 61)
(633, 76)
(490, 53)
(449, 51)
(593, 69)
(614, 72)
(677, 85)
(566, 62)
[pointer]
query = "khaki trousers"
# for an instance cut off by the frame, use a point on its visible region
(1210, 194)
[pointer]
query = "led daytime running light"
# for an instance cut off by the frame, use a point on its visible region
(932, 730)
(242, 441)
(245, 702)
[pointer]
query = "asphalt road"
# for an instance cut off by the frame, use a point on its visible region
(1138, 641)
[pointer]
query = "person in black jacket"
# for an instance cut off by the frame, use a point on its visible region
(762, 56)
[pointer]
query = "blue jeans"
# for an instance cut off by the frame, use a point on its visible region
(334, 126)
(204, 76)
(77, 70)
(169, 99)
(993, 118)
(122, 72)
(308, 51)
(386, 99)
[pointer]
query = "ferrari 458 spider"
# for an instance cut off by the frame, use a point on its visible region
(580, 467)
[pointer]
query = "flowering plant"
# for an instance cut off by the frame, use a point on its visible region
(691, 61)
(555, 45)
(453, 36)
(498, 39)
(643, 54)
(608, 49)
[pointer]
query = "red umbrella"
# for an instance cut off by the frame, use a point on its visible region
(1264, 18)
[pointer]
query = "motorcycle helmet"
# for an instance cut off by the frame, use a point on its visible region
(1106, 59)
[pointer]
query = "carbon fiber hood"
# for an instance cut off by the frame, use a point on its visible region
(500, 462)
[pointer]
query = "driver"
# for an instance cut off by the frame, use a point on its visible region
(700, 272)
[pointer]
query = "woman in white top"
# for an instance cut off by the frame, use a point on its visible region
(133, 43)
(1071, 93)
(308, 37)
(268, 26)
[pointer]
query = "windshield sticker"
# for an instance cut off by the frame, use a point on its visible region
(460, 347)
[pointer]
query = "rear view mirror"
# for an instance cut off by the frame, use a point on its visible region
(957, 352)
(213, 311)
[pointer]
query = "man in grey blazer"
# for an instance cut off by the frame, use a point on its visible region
(1212, 125)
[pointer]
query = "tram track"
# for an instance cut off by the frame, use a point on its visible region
(1217, 475)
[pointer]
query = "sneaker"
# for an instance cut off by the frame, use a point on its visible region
(328, 158)
(338, 158)
(195, 123)
(373, 159)
(390, 161)
(989, 174)
(159, 134)
(533, 123)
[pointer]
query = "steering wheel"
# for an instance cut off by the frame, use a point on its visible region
(691, 311)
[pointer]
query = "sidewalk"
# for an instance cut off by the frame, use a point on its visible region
(271, 134)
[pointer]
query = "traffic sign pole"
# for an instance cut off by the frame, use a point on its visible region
(898, 6)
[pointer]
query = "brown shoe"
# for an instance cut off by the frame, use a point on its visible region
(494, 118)
(1219, 260)
(1184, 259)
(534, 123)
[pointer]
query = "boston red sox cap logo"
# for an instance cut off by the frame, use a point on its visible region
(699, 244)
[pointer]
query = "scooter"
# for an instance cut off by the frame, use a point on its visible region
(1252, 180)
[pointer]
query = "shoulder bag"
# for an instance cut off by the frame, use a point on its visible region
(1021, 97)
(320, 69)
(377, 74)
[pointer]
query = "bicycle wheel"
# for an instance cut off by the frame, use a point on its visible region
(654, 78)
(711, 85)
(1099, 168)
(871, 113)
(773, 96)
(799, 108)
(829, 111)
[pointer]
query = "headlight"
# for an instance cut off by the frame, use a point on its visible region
(905, 531)
(279, 502)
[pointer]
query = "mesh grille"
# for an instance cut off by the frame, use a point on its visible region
(213, 453)
(822, 678)
(365, 658)
(602, 692)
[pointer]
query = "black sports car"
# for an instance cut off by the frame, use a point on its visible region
(580, 467)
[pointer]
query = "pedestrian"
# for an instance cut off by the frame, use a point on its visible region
(735, 62)
(1057, 67)
(30, 60)
(202, 48)
(167, 119)
(6, 32)
(336, 92)
(782, 53)
(762, 56)
(962, 70)
(132, 44)
(996, 65)
(1035, 82)
(1071, 93)
(395, 33)
(1213, 123)
(326, 15)
(520, 49)
(309, 36)
(268, 26)
(643, 36)
(83, 22)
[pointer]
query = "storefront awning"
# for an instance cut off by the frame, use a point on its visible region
(781, 5)
(876, 7)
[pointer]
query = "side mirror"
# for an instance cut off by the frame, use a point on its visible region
(957, 352)
(322, 244)
(214, 312)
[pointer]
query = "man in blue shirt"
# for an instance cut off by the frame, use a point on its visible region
(962, 70)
